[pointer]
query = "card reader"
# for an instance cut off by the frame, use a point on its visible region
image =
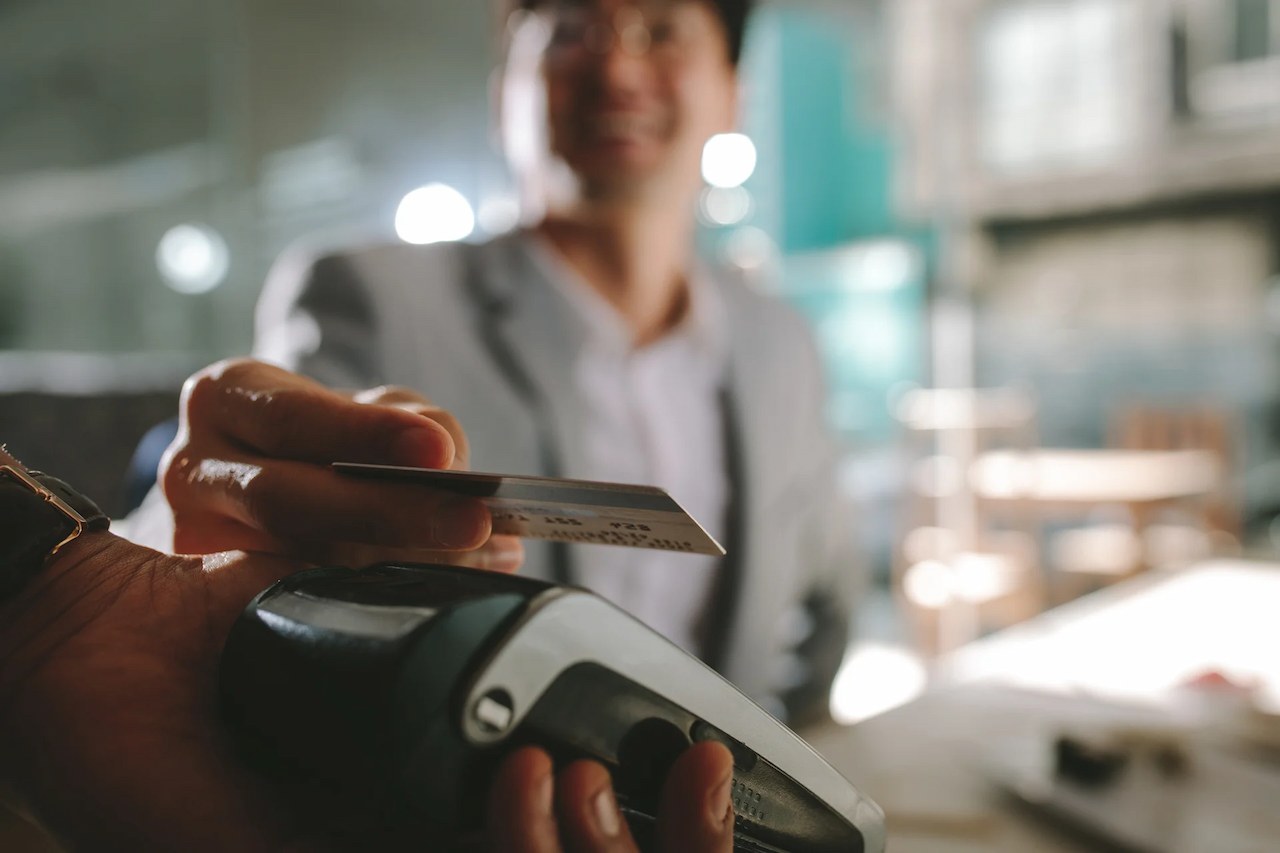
(410, 683)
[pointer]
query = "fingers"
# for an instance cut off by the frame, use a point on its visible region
(281, 415)
(534, 810)
(303, 514)
(296, 501)
(696, 813)
(409, 401)
(250, 471)
(499, 554)
(521, 818)
(588, 811)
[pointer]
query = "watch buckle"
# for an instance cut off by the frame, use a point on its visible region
(34, 485)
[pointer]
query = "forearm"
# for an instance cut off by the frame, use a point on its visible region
(32, 627)
(74, 583)
(75, 586)
(43, 603)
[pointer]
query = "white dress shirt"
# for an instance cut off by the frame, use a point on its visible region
(654, 417)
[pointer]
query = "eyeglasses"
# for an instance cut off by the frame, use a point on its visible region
(663, 33)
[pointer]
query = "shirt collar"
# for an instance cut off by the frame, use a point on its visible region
(704, 324)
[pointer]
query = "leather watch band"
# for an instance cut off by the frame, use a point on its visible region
(38, 515)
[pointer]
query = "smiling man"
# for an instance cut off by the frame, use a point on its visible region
(590, 343)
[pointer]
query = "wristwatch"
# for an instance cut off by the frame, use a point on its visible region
(39, 515)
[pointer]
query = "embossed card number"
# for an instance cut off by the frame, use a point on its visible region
(564, 510)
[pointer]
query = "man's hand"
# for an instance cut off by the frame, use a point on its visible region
(532, 810)
(249, 470)
(108, 724)
(109, 727)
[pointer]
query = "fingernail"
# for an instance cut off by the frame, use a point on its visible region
(607, 818)
(721, 809)
(458, 525)
(419, 447)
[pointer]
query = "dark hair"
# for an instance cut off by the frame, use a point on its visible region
(732, 13)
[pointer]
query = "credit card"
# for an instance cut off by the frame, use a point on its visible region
(563, 510)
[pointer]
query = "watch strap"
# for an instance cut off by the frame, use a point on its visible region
(39, 514)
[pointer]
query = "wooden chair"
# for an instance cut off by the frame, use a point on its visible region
(1120, 541)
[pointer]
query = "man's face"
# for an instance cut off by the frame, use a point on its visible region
(631, 91)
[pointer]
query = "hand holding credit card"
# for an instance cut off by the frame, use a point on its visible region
(563, 510)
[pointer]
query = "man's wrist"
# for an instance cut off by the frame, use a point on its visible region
(23, 614)
(75, 587)
(35, 611)
(39, 515)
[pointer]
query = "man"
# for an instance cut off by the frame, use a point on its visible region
(109, 732)
(590, 344)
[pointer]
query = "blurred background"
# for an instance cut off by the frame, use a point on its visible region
(1039, 241)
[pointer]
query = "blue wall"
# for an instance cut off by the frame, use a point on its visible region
(815, 88)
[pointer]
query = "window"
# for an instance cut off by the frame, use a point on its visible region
(1055, 84)
(1232, 72)
(1254, 29)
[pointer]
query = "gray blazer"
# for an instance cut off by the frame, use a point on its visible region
(482, 332)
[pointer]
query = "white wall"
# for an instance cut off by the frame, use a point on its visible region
(91, 93)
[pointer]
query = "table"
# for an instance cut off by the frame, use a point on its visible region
(1036, 485)
(920, 763)
(1088, 477)
(1131, 642)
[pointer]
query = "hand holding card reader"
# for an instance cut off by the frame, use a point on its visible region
(410, 683)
